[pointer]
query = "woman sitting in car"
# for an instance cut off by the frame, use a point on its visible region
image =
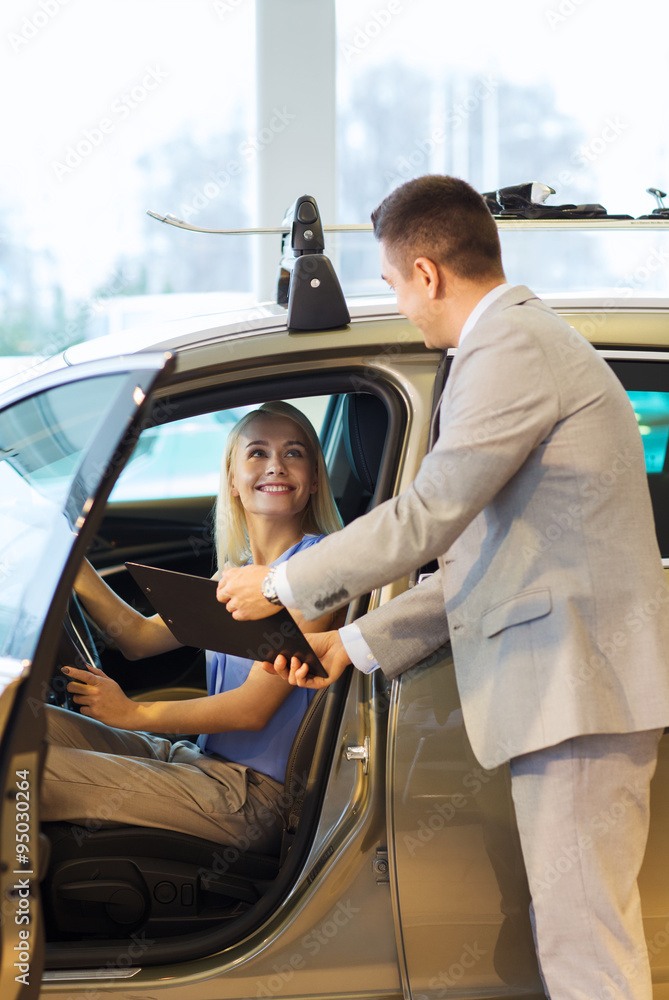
(103, 767)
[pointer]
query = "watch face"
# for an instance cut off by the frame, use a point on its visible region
(269, 590)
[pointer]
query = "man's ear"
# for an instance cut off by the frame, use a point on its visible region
(427, 272)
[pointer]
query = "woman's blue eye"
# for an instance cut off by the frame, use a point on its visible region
(261, 453)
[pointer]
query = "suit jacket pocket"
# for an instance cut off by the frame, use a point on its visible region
(516, 610)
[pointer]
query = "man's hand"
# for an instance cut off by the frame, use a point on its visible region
(240, 590)
(101, 698)
(329, 649)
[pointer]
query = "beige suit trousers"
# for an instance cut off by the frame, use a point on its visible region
(96, 776)
(583, 814)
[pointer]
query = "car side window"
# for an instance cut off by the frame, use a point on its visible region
(647, 386)
(652, 414)
(182, 459)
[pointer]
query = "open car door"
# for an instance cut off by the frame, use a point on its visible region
(63, 441)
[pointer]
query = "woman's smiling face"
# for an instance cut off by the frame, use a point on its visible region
(274, 472)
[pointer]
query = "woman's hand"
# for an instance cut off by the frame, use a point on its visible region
(101, 697)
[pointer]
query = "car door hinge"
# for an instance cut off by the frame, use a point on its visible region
(381, 867)
(360, 753)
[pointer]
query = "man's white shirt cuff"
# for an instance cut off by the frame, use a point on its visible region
(358, 651)
(284, 591)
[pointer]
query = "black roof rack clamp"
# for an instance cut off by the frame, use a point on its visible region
(308, 284)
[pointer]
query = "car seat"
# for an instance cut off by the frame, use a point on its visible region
(118, 881)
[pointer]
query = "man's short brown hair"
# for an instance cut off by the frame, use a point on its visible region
(442, 218)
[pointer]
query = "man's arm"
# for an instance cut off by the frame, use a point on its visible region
(400, 633)
(407, 629)
(501, 405)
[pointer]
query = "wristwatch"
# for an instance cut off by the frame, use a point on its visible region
(268, 588)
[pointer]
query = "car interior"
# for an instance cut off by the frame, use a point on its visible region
(645, 383)
(188, 896)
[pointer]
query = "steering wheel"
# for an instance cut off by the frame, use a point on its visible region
(76, 648)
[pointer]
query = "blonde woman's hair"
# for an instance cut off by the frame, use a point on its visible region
(320, 516)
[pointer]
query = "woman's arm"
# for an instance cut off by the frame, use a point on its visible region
(134, 634)
(248, 707)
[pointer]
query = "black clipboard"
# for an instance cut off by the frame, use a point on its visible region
(188, 606)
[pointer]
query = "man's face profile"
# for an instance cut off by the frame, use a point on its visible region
(416, 295)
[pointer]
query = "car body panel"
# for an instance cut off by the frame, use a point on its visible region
(402, 889)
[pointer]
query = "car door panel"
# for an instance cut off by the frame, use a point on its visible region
(63, 445)
(460, 890)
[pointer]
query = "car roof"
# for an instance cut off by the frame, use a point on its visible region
(269, 317)
(207, 331)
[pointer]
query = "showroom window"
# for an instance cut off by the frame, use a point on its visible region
(117, 107)
(222, 112)
(558, 91)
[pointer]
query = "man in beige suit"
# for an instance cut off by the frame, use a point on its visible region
(535, 502)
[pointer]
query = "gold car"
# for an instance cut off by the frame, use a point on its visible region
(400, 871)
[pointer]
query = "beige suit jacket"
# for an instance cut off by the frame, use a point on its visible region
(535, 501)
